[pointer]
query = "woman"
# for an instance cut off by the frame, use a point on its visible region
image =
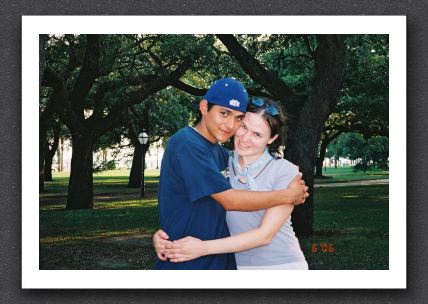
(260, 239)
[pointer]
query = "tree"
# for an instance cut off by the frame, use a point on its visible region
(363, 100)
(369, 153)
(307, 111)
(45, 112)
(161, 115)
(50, 150)
(108, 74)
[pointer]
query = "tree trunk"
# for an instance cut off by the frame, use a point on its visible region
(42, 130)
(302, 149)
(307, 126)
(60, 152)
(48, 166)
(320, 159)
(136, 169)
(80, 186)
(50, 153)
(41, 163)
(328, 138)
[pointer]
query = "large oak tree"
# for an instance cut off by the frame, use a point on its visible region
(96, 80)
(307, 112)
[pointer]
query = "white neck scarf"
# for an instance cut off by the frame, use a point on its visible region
(251, 170)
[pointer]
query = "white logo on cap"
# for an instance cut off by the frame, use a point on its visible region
(234, 103)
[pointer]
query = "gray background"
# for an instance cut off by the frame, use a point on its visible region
(10, 140)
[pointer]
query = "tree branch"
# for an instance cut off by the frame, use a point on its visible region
(118, 111)
(87, 75)
(261, 75)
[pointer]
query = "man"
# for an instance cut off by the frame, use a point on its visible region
(193, 193)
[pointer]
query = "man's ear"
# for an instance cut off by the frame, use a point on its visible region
(203, 106)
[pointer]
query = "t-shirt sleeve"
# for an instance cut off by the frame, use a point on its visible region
(200, 172)
(286, 171)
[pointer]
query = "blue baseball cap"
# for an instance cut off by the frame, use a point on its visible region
(229, 93)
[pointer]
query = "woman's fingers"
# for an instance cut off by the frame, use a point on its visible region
(161, 256)
(172, 251)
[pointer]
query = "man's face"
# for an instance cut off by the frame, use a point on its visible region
(220, 122)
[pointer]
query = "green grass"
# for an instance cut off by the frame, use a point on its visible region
(114, 181)
(345, 174)
(116, 234)
(355, 221)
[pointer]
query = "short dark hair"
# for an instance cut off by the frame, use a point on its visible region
(199, 118)
(276, 123)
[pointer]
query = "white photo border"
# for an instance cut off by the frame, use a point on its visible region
(394, 26)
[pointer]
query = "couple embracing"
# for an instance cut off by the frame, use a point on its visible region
(229, 210)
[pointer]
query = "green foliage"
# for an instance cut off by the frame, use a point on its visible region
(288, 56)
(100, 166)
(363, 103)
(369, 153)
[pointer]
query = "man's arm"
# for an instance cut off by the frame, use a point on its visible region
(244, 200)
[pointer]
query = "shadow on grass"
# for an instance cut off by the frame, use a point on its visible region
(350, 232)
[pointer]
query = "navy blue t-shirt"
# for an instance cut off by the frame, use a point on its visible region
(190, 173)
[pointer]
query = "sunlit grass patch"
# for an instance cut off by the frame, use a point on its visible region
(345, 174)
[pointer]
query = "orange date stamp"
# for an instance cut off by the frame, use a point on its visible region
(322, 248)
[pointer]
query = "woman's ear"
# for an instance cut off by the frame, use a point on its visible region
(272, 139)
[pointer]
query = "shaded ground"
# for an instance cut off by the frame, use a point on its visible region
(114, 253)
(116, 234)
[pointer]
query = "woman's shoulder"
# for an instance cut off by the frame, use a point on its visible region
(283, 164)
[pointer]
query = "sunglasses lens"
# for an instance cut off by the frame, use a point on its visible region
(272, 110)
(257, 102)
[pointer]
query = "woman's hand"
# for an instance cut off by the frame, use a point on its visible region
(160, 240)
(184, 249)
(299, 189)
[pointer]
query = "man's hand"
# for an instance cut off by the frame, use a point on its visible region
(160, 241)
(299, 189)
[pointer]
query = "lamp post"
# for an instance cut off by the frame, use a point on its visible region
(143, 138)
(157, 156)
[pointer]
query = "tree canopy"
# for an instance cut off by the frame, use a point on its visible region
(105, 87)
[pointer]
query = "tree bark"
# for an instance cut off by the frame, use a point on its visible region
(137, 163)
(323, 148)
(42, 123)
(50, 153)
(320, 160)
(80, 186)
(305, 135)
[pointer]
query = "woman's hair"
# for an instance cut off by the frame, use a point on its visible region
(275, 120)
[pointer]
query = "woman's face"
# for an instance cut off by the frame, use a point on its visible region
(253, 136)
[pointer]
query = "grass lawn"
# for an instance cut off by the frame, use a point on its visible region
(350, 228)
(350, 223)
(110, 182)
(345, 174)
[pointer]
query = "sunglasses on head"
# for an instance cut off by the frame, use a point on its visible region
(270, 109)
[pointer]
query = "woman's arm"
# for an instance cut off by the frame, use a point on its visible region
(190, 248)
